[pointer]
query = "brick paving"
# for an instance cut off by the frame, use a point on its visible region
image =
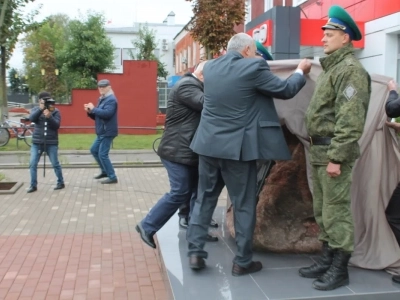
(80, 242)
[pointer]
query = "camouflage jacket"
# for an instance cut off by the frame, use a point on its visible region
(338, 108)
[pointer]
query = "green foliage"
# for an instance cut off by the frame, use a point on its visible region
(42, 48)
(15, 80)
(13, 22)
(145, 44)
(79, 49)
(213, 22)
(88, 52)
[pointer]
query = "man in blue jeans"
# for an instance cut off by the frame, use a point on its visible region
(185, 102)
(47, 120)
(106, 122)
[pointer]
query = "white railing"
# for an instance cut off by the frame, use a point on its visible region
(14, 104)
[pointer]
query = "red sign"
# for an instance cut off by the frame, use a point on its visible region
(262, 33)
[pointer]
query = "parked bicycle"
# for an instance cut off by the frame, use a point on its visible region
(20, 130)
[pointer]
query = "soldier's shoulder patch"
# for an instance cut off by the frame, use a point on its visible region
(349, 92)
(349, 61)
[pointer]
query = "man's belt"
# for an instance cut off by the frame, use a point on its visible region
(320, 140)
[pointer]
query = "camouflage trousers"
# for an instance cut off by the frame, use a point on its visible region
(332, 207)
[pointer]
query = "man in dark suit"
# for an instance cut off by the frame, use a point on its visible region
(239, 125)
(185, 102)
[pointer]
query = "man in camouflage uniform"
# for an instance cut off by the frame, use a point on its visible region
(335, 121)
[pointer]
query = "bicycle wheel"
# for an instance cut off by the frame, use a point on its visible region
(4, 136)
(27, 135)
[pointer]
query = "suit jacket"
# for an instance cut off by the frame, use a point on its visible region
(239, 120)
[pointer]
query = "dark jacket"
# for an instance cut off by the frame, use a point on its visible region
(393, 105)
(185, 102)
(53, 124)
(105, 115)
(239, 120)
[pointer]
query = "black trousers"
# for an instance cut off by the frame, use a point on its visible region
(393, 212)
(240, 178)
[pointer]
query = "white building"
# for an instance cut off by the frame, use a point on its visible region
(164, 32)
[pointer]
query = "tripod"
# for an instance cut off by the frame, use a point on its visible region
(44, 147)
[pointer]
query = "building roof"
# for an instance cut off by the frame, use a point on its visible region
(183, 28)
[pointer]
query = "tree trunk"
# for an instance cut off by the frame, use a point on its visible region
(3, 86)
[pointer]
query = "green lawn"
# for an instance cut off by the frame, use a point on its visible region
(84, 141)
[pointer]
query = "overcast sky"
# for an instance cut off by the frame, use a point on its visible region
(119, 12)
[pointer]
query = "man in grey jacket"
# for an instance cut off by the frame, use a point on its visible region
(239, 125)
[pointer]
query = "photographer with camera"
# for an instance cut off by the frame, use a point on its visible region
(47, 119)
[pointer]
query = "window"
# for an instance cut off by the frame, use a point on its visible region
(117, 57)
(189, 58)
(194, 53)
(248, 11)
(268, 4)
(298, 2)
(126, 53)
(157, 53)
(163, 92)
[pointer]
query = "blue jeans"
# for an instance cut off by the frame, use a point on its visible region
(183, 182)
(100, 149)
(36, 153)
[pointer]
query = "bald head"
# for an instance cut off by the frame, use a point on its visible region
(199, 70)
(242, 43)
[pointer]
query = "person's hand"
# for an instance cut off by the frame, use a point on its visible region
(305, 66)
(47, 113)
(41, 104)
(394, 125)
(86, 108)
(90, 106)
(333, 170)
(392, 86)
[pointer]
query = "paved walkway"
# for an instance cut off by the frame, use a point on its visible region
(80, 242)
(82, 158)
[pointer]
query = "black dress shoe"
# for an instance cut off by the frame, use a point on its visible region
(59, 186)
(32, 189)
(396, 278)
(211, 238)
(183, 222)
(109, 181)
(255, 266)
(213, 223)
(102, 175)
(147, 238)
(196, 263)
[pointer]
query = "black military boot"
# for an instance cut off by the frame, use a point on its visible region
(337, 275)
(322, 263)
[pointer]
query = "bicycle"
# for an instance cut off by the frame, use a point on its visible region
(20, 130)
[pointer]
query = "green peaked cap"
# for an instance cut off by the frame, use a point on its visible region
(263, 51)
(339, 19)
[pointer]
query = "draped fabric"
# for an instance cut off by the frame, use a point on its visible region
(375, 174)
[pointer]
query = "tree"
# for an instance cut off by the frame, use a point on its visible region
(12, 24)
(88, 51)
(145, 44)
(42, 51)
(213, 22)
(15, 80)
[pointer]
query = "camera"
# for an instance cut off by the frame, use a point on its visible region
(49, 104)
